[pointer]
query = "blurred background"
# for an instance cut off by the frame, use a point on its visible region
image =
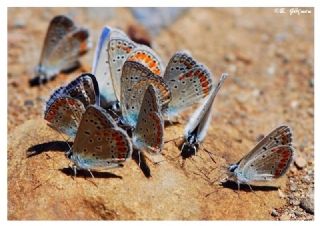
(268, 53)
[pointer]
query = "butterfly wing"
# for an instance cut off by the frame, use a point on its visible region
(63, 45)
(119, 48)
(99, 142)
(148, 58)
(64, 115)
(135, 79)
(58, 28)
(84, 88)
(148, 134)
(65, 54)
(101, 67)
(281, 135)
(188, 81)
(201, 119)
(268, 164)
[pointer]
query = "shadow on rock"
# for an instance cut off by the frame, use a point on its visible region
(139, 158)
(234, 186)
(85, 173)
(168, 123)
(49, 146)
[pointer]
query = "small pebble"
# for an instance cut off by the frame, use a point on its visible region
(298, 213)
(310, 112)
(300, 162)
(274, 213)
(281, 194)
(311, 83)
(28, 103)
(232, 68)
(280, 37)
(293, 187)
(229, 57)
(294, 104)
(256, 92)
(271, 70)
(308, 204)
(19, 23)
(294, 202)
(306, 179)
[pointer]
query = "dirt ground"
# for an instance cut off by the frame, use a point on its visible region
(269, 57)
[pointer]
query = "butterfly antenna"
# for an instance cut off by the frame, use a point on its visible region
(155, 163)
(167, 141)
(208, 152)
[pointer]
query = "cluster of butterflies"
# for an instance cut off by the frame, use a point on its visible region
(122, 105)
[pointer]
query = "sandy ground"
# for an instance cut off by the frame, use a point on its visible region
(269, 57)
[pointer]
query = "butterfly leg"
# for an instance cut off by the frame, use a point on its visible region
(251, 188)
(139, 158)
(90, 173)
(167, 141)
(74, 167)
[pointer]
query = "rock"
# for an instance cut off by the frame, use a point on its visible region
(298, 213)
(308, 203)
(285, 217)
(243, 57)
(294, 202)
(300, 162)
(274, 213)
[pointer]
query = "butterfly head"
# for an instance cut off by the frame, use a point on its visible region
(232, 168)
(188, 149)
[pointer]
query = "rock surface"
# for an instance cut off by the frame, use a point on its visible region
(42, 187)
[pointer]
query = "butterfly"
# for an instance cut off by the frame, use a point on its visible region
(114, 48)
(66, 105)
(188, 80)
(268, 160)
(135, 80)
(196, 129)
(99, 142)
(63, 45)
